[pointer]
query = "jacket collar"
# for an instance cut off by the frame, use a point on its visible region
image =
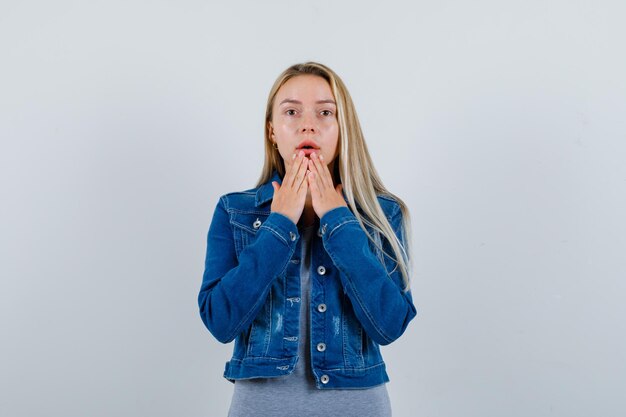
(266, 192)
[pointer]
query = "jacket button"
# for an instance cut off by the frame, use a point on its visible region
(257, 223)
(321, 347)
(324, 379)
(321, 308)
(321, 270)
(292, 236)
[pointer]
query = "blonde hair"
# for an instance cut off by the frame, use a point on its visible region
(361, 183)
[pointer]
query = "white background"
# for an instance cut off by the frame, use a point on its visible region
(501, 123)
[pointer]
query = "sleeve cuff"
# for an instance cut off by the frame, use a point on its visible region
(335, 218)
(282, 227)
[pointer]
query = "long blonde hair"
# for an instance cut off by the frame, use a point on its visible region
(361, 183)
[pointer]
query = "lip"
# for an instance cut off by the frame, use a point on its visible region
(312, 146)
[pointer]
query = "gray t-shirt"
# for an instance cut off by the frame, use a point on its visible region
(296, 394)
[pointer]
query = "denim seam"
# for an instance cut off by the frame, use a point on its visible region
(268, 332)
(275, 232)
(251, 357)
(239, 211)
(341, 224)
(344, 336)
(348, 368)
(243, 226)
(224, 201)
(250, 339)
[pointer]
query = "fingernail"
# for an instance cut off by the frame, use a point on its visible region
(321, 157)
(294, 156)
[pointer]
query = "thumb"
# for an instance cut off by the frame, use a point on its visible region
(339, 189)
(275, 186)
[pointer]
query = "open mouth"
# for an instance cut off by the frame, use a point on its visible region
(308, 147)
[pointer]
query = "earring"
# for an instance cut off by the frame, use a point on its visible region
(275, 145)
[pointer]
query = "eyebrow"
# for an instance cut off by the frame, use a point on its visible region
(292, 101)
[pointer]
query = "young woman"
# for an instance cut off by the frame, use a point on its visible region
(308, 272)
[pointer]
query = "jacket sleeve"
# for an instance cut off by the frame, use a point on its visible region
(235, 288)
(375, 290)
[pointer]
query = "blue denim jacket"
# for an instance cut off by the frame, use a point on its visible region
(250, 292)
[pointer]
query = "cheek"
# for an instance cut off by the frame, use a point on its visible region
(281, 136)
(283, 132)
(284, 147)
(332, 149)
(334, 139)
(286, 158)
(286, 123)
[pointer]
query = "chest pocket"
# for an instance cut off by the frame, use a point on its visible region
(245, 228)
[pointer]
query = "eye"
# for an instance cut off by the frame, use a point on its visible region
(326, 113)
(291, 112)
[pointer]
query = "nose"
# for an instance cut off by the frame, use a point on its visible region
(308, 124)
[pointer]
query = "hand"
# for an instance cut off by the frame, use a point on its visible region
(289, 198)
(325, 196)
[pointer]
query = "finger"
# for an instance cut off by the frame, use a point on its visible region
(295, 170)
(313, 185)
(302, 169)
(312, 175)
(325, 178)
(316, 182)
(276, 186)
(305, 185)
(312, 166)
(289, 171)
(327, 171)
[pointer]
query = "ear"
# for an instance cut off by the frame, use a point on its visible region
(270, 129)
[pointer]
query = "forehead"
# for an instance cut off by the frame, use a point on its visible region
(305, 88)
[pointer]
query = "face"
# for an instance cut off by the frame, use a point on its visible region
(304, 117)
